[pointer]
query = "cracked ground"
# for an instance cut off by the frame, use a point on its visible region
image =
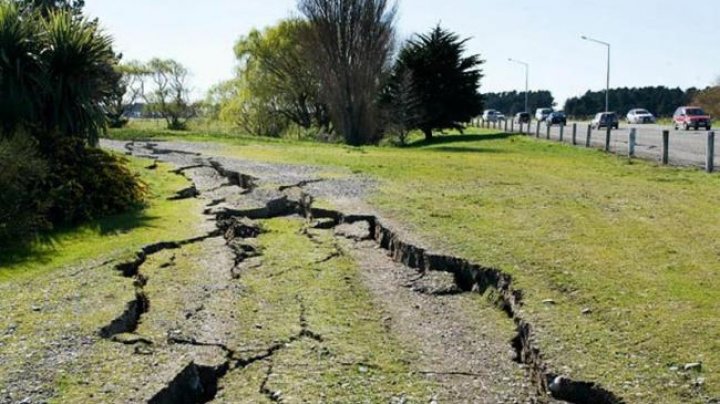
(260, 304)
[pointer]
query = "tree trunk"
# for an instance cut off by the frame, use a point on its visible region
(428, 133)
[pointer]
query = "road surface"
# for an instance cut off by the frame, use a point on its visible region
(687, 148)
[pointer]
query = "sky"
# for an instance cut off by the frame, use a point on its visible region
(654, 42)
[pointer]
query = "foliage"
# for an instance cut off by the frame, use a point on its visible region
(46, 7)
(444, 81)
(169, 97)
(88, 183)
(278, 70)
(709, 100)
(128, 89)
(661, 101)
(55, 74)
(22, 203)
(512, 102)
(401, 107)
(351, 42)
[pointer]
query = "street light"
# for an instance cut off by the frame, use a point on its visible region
(527, 78)
(607, 87)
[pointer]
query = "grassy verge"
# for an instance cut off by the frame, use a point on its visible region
(626, 250)
(108, 237)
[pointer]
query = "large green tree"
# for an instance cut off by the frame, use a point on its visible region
(279, 60)
(444, 80)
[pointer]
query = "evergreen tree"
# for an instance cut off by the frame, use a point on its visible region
(444, 82)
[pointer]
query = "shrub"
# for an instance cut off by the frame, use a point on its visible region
(22, 201)
(88, 183)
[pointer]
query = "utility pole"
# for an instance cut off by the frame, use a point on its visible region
(607, 86)
(527, 80)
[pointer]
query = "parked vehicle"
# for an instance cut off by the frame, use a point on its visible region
(640, 115)
(491, 115)
(542, 113)
(522, 117)
(605, 119)
(691, 117)
(556, 118)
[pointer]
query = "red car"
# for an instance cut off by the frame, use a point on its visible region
(691, 117)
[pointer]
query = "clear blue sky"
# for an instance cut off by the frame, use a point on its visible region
(655, 42)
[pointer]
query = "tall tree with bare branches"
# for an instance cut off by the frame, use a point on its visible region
(352, 42)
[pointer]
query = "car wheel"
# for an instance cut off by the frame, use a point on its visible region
(687, 127)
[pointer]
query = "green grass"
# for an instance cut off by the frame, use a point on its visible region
(633, 242)
(108, 237)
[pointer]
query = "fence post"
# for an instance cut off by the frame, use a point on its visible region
(631, 142)
(537, 129)
(562, 132)
(589, 136)
(574, 134)
(710, 160)
(607, 138)
(506, 126)
(547, 131)
(512, 126)
(666, 147)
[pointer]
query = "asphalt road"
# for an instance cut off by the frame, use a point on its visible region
(687, 148)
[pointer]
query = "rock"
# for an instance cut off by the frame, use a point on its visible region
(586, 311)
(549, 302)
(693, 366)
(357, 231)
(240, 228)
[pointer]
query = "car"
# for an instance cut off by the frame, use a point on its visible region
(557, 117)
(605, 119)
(542, 113)
(522, 117)
(691, 117)
(491, 115)
(640, 115)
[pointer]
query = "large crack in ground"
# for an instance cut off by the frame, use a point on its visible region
(198, 384)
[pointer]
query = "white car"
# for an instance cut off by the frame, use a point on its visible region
(542, 113)
(640, 115)
(491, 115)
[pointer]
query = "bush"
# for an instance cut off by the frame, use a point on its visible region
(22, 200)
(88, 183)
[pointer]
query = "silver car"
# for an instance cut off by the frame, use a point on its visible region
(640, 115)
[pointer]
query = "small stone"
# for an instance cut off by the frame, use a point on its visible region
(363, 369)
(36, 308)
(549, 302)
(259, 326)
(277, 395)
(674, 368)
(586, 311)
(693, 366)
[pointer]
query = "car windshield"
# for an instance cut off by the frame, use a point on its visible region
(641, 112)
(695, 111)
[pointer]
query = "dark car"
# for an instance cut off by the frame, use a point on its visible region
(556, 118)
(605, 119)
(691, 117)
(522, 117)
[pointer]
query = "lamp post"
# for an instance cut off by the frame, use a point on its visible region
(527, 79)
(607, 86)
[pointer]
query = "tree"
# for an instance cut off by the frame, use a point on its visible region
(351, 42)
(512, 102)
(278, 59)
(445, 82)
(660, 100)
(709, 99)
(169, 97)
(129, 88)
(45, 7)
(401, 106)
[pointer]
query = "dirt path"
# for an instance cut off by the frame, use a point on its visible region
(277, 300)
